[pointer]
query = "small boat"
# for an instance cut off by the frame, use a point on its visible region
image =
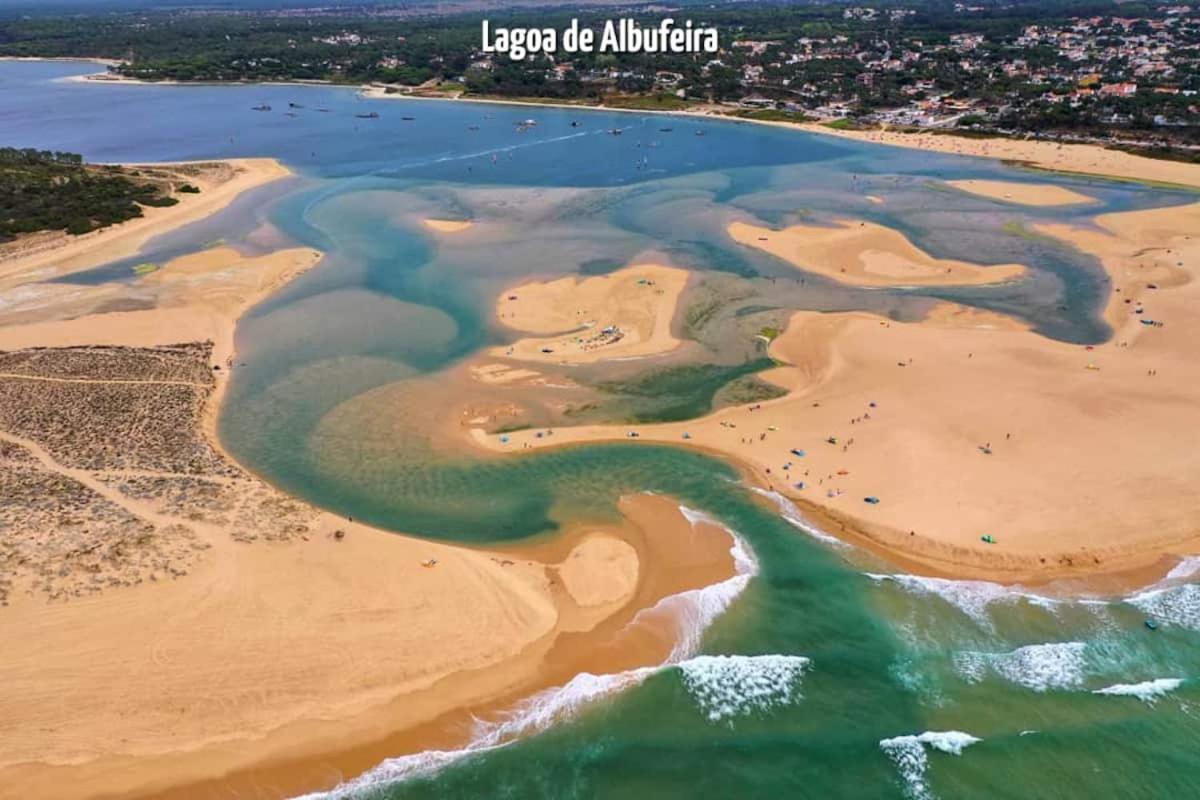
(616, 131)
(472, 127)
(372, 115)
(263, 107)
(665, 130)
(295, 105)
(872, 500)
(798, 453)
(408, 119)
(987, 539)
(1151, 624)
(574, 123)
(323, 110)
(699, 133)
(528, 123)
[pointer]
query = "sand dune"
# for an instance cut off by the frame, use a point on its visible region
(626, 314)
(1072, 459)
(236, 637)
(866, 254)
(1026, 194)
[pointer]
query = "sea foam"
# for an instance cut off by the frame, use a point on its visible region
(712, 680)
(909, 755)
(731, 686)
(1041, 667)
(789, 511)
(1146, 691)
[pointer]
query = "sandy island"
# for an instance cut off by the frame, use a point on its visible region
(918, 440)
(866, 254)
(234, 637)
(448, 225)
(626, 314)
(1025, 194)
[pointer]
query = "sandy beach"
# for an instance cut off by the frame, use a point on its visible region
(866, 254)
(48, 255)
(1081, 159)
(966, 425)
(626, 314)
(327, 645)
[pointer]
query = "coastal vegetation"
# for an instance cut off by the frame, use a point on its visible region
(1076, 69)
(42, 190)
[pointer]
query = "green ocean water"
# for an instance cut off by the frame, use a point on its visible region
(814, 673)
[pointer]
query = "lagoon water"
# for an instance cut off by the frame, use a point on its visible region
(827, 675)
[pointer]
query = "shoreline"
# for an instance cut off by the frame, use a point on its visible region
(549, 610)
(1083, 160)
(992, 452)
(55, 255)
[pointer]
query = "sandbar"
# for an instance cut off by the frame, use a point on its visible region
(625, 314)
(448, 225)
(1025, 194)
(1072, 459)
(57, 254)
(866, 254)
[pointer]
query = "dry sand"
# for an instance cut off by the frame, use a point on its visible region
(1088, 466)
(51, 255)
(1025, 194)
(286, 660)
(626, 314)
(866, 254)
(448, 225)
(1084, 159)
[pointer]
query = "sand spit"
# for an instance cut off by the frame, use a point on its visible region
(220, 182)
(448, 225)
(123, 521)
(1025, 194)
(866, 254)
(626, 314)
(921, 439)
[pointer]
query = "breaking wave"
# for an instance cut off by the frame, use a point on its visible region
(722, 685)
(731, 686)
(1146, 691)
(789, 511)
(909, 755)
(1041, 667)
(1177, 605)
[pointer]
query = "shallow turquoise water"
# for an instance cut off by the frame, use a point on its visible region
(833, 673)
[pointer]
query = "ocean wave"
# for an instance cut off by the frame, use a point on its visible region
(1146, 691)
(1177, 605)
(693, 611)
(970, 597)
(909, 755)
(731, 686)
(1041, 667)
(789, 511)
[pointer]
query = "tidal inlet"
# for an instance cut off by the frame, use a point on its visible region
(369, 446)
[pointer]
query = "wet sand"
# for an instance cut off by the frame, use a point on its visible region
(1025, 194)
(238, 638)
(220, 182)
(866, 254)
(965, 425)
(626, 314)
